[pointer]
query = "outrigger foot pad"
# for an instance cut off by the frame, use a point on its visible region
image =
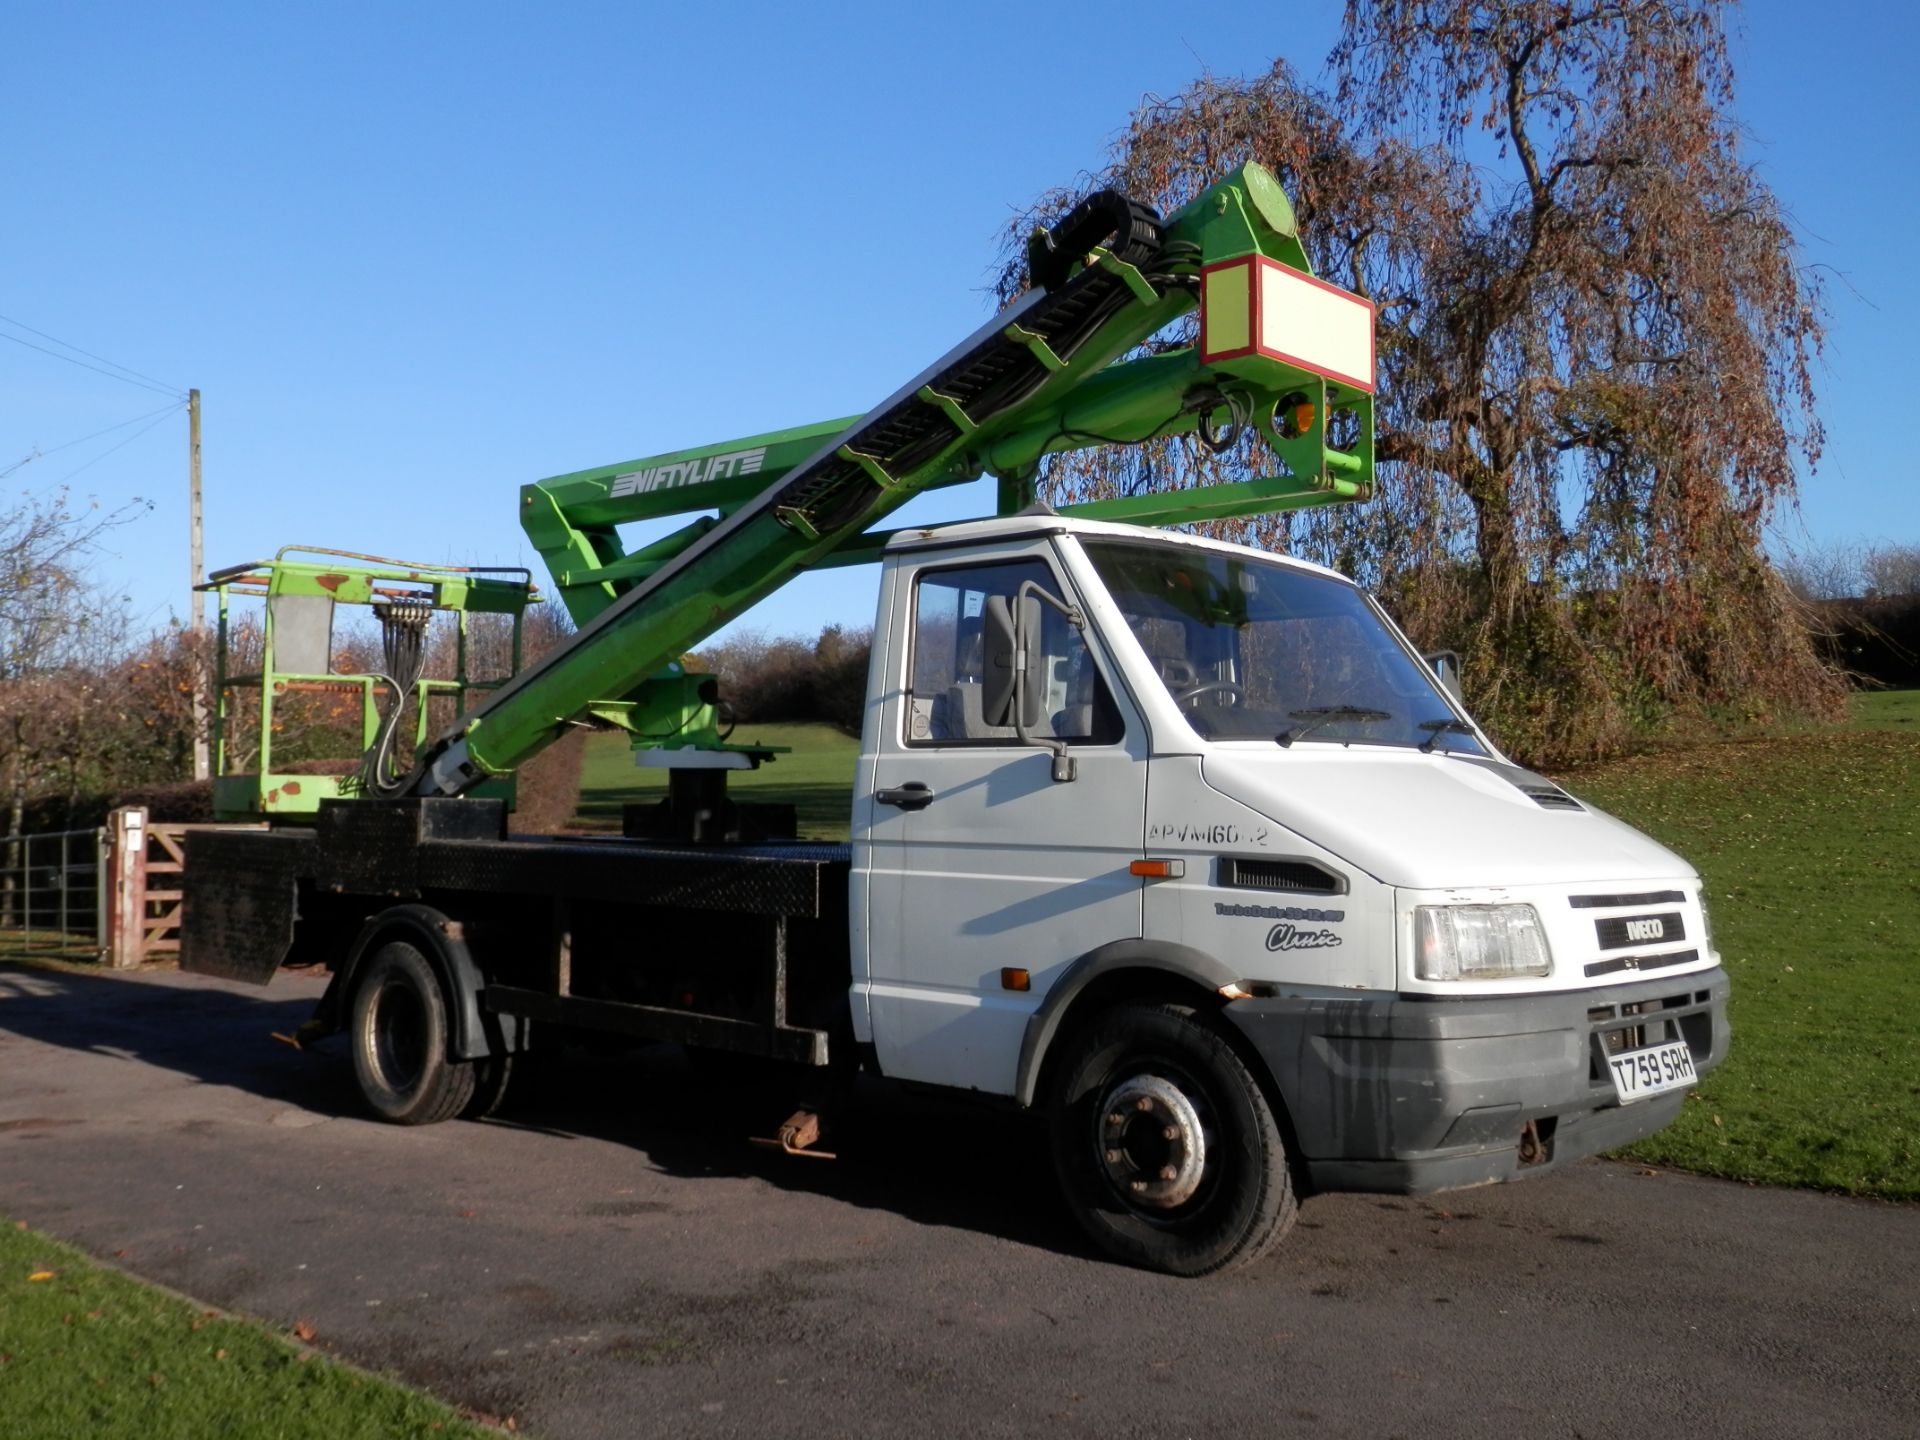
(312, 1030)
(799, 1132)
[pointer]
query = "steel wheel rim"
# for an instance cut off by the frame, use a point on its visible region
(398, 1026)
(1152, 1140)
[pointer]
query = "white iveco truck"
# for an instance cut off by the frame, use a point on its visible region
(1179, 842)
(1265, 909)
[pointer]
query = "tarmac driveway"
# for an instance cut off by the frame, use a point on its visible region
(613, 1259)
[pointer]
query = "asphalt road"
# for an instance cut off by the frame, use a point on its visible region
(613, 1259)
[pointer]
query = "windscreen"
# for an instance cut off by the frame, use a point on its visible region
(1251, 650)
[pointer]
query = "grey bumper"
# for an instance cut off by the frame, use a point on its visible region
(1411, 1095)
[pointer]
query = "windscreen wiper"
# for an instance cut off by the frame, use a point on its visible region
(1437, 728)
(1320, 715)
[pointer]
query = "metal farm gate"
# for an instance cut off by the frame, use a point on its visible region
(111, 894)
(53, 899)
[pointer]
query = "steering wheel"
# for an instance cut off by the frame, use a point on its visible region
(1235, 692)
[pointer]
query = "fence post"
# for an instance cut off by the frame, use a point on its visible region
(66, 879)
(103, 853)
(26, 893)
(127, 832)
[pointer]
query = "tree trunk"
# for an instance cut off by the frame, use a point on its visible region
(1496, 542)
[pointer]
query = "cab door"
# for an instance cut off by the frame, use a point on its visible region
(974, 861)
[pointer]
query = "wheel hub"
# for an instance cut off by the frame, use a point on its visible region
(399, 1041)
(1151, 1143)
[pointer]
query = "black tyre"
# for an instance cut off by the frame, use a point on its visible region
(490, 1078)
(1166, 1147)
(400, 1035)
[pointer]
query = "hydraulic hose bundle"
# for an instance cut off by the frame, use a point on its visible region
(404, 621)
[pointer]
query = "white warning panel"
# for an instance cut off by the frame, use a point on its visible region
(1254, 306)
(1316, 326)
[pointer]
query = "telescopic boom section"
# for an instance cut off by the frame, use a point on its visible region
(1278, 351)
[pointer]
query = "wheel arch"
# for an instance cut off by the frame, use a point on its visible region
(1120, 971)
(444, 944)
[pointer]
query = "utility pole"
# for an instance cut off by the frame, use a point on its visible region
(200, 766)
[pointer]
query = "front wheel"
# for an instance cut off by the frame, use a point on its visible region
(1166, 1147)
(400, 1041)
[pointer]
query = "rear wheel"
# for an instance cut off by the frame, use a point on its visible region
(1166, 1147)
(400, 1041)
(491, 1075)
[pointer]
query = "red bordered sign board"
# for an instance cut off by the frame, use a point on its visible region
(1257, 306)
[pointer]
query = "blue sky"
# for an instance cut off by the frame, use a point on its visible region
(415, 256)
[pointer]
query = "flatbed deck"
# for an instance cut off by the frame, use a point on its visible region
(576, 930)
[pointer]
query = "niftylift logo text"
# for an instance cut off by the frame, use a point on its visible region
(689, 472)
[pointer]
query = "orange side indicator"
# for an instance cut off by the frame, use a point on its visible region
(1158, 869)
(1012, 979)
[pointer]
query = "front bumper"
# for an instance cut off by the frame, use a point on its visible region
(1411, 1095)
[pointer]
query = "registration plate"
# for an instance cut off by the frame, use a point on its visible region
(1638, 1074)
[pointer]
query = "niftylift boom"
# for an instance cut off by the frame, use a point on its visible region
(1278, 352)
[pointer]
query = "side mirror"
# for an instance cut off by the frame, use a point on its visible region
(1446, 669)
(1014, 689)
(1012, 635)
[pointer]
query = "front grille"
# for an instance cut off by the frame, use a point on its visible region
(1621, 902)
(1685, 1015)
(1642, 962)
(1617, 932)
(1627, 1037)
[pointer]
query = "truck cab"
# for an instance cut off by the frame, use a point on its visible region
(1237, 788)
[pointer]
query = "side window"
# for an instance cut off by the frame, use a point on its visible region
(945, 687)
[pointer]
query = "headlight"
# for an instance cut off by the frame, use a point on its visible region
(1706, 925)
(1479, 942)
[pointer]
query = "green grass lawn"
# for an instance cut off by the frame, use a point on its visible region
(1810, 847)
(1896, 710)
(18, 944)
(85, 1351)
(817, 778)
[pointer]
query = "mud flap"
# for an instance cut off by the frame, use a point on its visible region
(241, 899)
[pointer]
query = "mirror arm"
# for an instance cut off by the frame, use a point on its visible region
(1040, 592)
(1064, 766)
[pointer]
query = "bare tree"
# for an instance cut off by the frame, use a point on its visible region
(55, 626)
(1596, 348)
(1892, 571)
(1832, 571)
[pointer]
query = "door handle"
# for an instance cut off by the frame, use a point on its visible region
(914, 795)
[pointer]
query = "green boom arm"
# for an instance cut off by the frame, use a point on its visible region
(1278, 350)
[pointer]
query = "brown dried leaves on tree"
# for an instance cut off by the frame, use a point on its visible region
(1596, 342)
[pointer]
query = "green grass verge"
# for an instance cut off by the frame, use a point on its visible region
(1810, 848)
(47, 944)
(85, 1351)
(817, 778)
(1896, 710)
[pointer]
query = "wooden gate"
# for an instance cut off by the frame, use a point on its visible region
(166, 858)
(146, 861)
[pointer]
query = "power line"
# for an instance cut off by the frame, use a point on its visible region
(111, 375)
(22, 325)
(69, 444)
(119, 372)
(121, 446)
